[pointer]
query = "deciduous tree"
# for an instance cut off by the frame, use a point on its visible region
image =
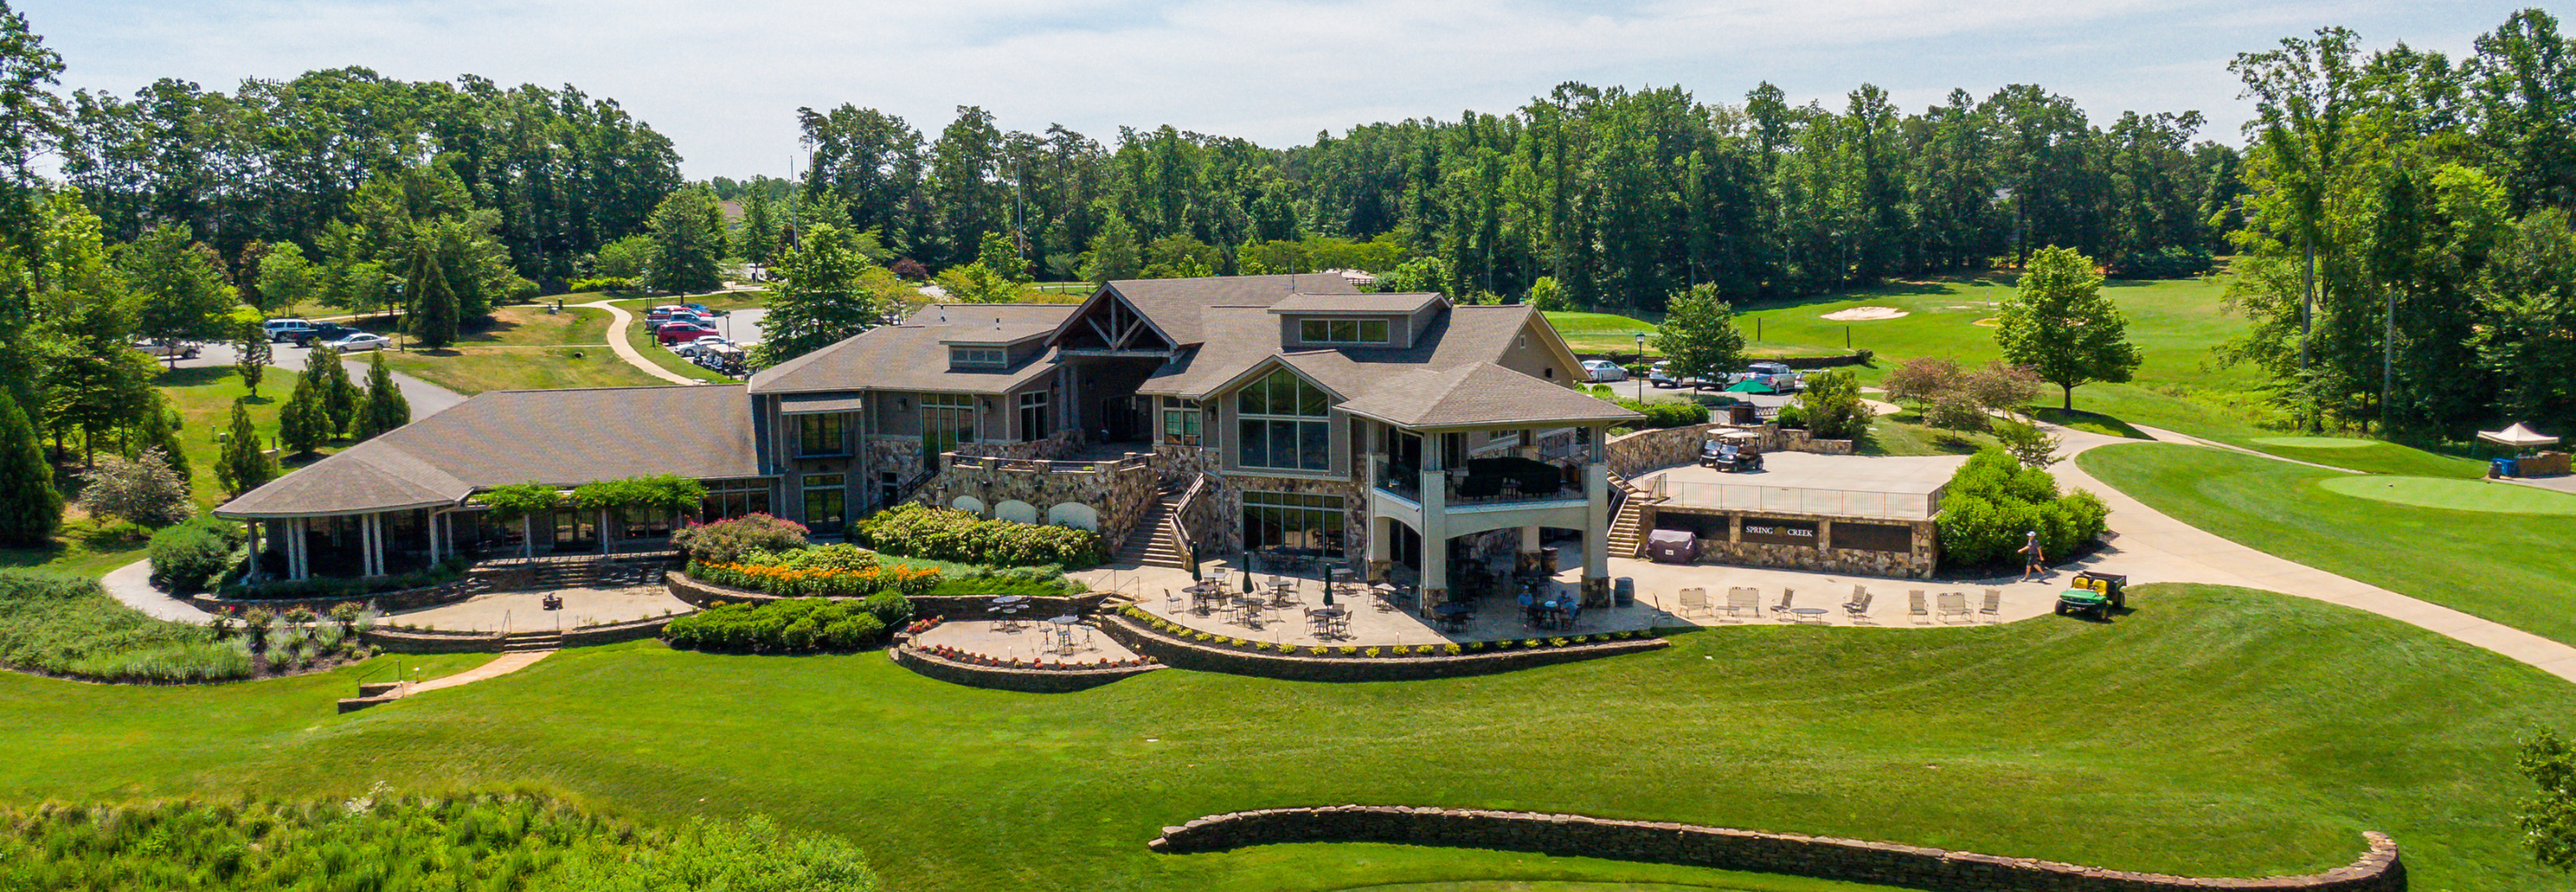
(2060, 326)
(1699, 335)
(144, 489)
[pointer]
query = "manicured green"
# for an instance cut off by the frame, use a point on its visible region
(2314, 442)
(2510, 568)
(2369, 456)
(2452, 494)
(2213, 731)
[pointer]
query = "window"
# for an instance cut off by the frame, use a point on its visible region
(1293, 522)
(986, 356)
(824, 503)
(1180, 422)
(1343, 331)
(1283, 425)
(946, 420)
(1033, 415)
(821, 434)
(735, 498)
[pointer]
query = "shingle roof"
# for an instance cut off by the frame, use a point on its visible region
(912, 355)
(1355, 303)
(559, 437)
(1175, 305)
(1244, 336)
(1477, 393)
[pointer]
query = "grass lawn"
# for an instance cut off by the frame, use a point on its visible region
(529, 325)
(204, 398)
(471, 370)
(2370, 456)
(1904, 433)
(641, 338)
(83, 547)
(2214, 731)
(2514, 569)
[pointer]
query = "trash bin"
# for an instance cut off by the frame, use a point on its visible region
(1741, 415)
(1623, 591)
(1547, 561)
(2504, 467)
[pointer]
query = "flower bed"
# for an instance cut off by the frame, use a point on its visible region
(948, 534)
(813, 582)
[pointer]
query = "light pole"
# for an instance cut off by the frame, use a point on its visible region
(1641, 360)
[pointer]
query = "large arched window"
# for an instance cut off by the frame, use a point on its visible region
(1283, 424)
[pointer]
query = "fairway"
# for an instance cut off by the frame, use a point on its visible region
(2272, 731)
(2315, 442)
(2454, 495)
(2513, 569)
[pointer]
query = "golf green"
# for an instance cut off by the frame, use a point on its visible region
(2452, 494)
(2316, 442)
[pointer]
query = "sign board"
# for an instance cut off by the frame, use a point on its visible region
(1873, 537)
(1780, 532)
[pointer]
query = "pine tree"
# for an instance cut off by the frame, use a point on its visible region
(244, 465)
(161, 425)
(304, 424)
(30, 508)
(251, 353)
(331, 384)
(385, 408)
(433, 302)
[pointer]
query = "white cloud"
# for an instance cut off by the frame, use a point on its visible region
(724, 79)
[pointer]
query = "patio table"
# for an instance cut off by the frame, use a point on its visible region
(1453, 616)
(1809, 613)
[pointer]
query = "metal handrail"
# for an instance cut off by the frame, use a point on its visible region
(1181, 531)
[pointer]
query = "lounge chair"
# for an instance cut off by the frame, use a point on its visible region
(1788, 599)
(1993, 609)
(1858, 607)
(1914, 606)
(1693, 599)
(1742, 601)
(1950, 604)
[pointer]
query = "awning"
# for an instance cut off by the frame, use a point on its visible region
(818, 403)
(2518, 437)
(1750, 385)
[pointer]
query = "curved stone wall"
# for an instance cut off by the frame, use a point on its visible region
(1002, 678)
(1196, 656)
(698, 593)
(1846, 860)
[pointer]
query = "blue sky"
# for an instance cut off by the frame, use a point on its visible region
(724, 79)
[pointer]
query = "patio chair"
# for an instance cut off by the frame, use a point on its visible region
(1950, 604)
(1993, 608)
(1858, 607)
(1914, 606)
(1788, 600)
(1743, 601)
(1171, 601)
(1694, 599)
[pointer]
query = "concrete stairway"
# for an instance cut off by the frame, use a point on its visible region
(524, 642)
(566, 573)
(1152, 544)
(1628, 527)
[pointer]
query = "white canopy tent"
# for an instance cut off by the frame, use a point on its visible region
(2518, 437)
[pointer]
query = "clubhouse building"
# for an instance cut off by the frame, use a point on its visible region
(1183, 419)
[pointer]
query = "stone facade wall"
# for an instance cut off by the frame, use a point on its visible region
(1229, 509)
(1797, 440)
(1027, 681)
(1643, 452)
(1196, 656)
(1916, 563)
(1058, 445)
(1122, 496)
(2377, 870)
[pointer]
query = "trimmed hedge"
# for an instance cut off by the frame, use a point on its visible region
(796, 625)
(190, 555)
(948, 534)
(726, 541)
(1665, 413)
(1994, 502)
(796, 582)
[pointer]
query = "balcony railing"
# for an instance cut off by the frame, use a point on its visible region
(1798, 500)
(1048, 466)
(1460, 489)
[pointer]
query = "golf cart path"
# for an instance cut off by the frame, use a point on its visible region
(2158, 548)
(619, 320)
(131, 585)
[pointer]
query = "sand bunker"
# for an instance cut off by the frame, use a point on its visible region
(1989, 322)
(1864, 314)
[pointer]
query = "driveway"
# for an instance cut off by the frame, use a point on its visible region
(426, 399)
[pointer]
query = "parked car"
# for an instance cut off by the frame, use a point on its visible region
(168, 349)
(688, 316)
(675, 332)
(1598, 370)
(1782, 378)
(356, 341)
(316, 333)
(701, 309)
(693, 348)
(277, 328)
(1662, 376)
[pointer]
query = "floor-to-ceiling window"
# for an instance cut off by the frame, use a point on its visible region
(826, 503)
(1033, 415)
(1297, 522)
(1284, 425)
(946, 420)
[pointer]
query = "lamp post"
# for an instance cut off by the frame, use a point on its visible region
(1641, 360)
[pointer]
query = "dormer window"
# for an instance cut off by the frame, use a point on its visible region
(982, 357)
(1343, 331)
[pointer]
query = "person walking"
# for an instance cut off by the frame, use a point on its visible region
(2034, 562)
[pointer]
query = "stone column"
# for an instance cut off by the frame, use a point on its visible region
(1529, 551)
(1435, 534)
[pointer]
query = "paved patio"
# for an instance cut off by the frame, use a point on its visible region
(1033, 638)
(525, 611)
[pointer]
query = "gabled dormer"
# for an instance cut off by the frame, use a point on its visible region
(1355, 321)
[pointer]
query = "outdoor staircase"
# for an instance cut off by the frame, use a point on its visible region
(1152, 544)
(1628, 528)
(562, 574)
(523, 642)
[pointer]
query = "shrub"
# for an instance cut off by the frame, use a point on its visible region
(1832, 406)
(1955, 411)
(146, 490)
(1664, 414)
(952, 535)
(1994, 501)
(1792, 415)
(186, 557)
(602, 283)
(795, 625)
(726, 541)
(818, 582)
(67, 625)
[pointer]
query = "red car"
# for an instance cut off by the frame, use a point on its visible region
(674, 332)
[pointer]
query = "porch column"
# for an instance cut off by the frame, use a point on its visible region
(1381, 552)
(431, 521)
(1435, 535)
(295, 548)
(1529, 551)
(603, 531)
(1596, 531)
(252, 574)
(375, 539)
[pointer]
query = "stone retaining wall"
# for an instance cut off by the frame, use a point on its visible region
(1918, 562)
(1847, 860)
(383, 602)
(1002, 678)
(1120, 496)
(1192, 655)
(415, 641)
(1799, 440)
(613, 633)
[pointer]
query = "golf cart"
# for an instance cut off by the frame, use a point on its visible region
(2095, 594)
(1733, 452)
